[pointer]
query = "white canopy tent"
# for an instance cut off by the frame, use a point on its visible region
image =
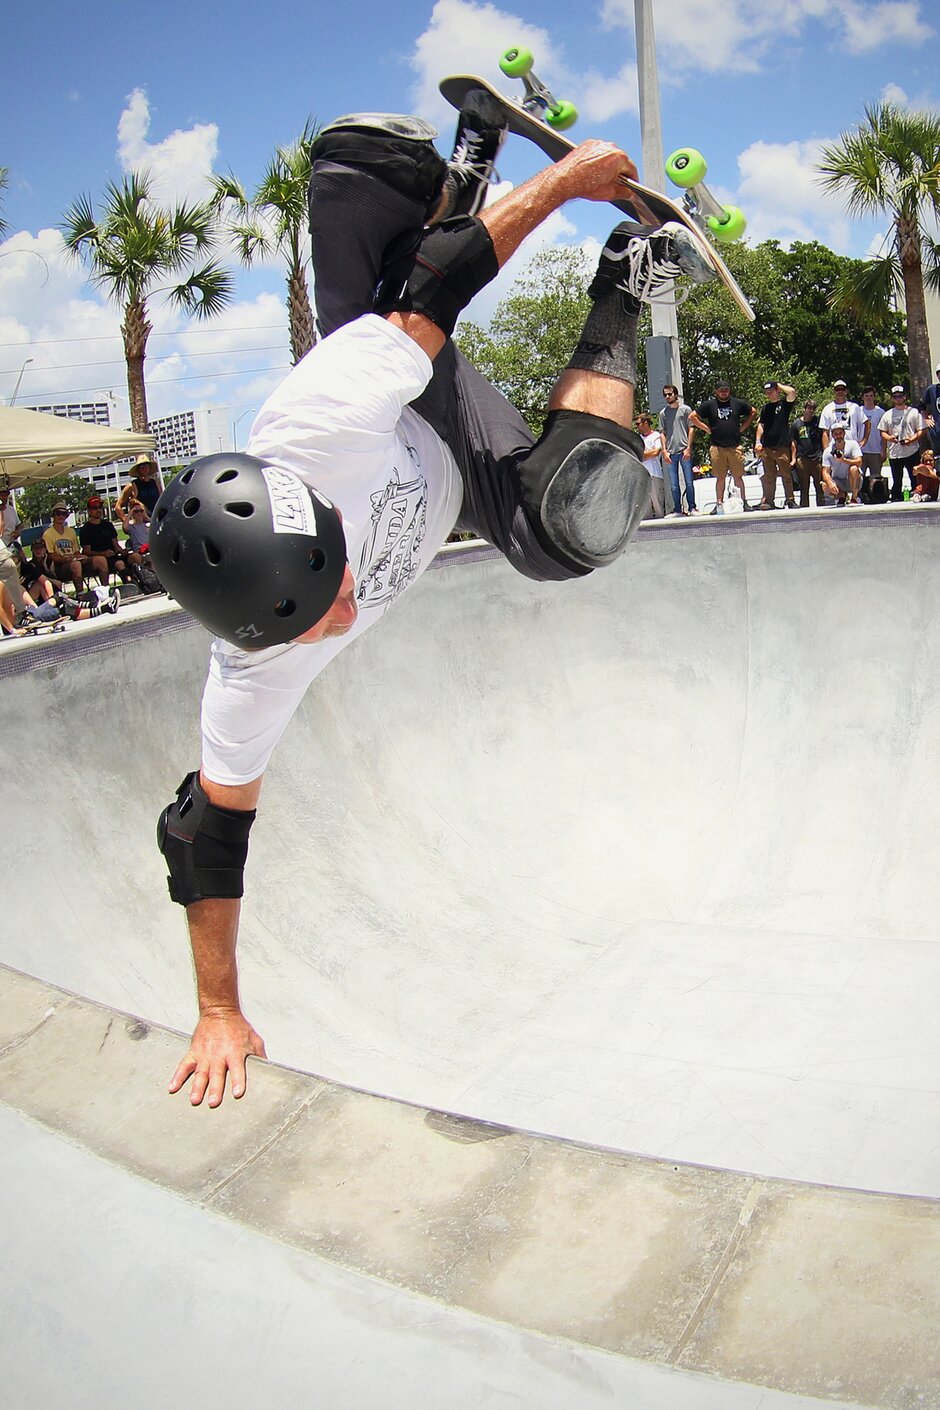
(36, 446)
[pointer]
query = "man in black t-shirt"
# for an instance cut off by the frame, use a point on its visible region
(806, 454)
(725, 418)
(772, 443)
(101, 551)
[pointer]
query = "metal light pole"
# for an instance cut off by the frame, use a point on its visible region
(19, 379)
(235, 423)
(662, 350)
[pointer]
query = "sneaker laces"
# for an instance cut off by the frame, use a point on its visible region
(469, 161)
(650, 278)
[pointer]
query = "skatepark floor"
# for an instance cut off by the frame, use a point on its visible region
(610, 892)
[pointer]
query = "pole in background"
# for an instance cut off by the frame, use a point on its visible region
(19, 379)
(663, 364)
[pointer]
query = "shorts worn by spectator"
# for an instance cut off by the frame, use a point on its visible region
(386, 418)
(772, 443)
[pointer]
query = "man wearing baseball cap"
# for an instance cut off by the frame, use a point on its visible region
(101, 551)
(844, 412)
(772, 443)
(841, 472)
(725, 418)
(901, 428)
(63, 547)
(930, 407)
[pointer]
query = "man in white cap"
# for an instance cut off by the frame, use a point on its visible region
(930, 406)
(841, 473)
(901, 428)
(841, 411)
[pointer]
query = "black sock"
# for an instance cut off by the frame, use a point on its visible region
(608, 338)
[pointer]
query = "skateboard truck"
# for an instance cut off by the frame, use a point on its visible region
(539, 101)
(686, 169)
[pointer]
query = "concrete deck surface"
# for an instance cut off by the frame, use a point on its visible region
(632, 862)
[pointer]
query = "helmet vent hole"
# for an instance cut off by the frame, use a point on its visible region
(213, 552)
(318, 560)
(176, 555)
(241, 510)
(225, 476)
(285, 608)
(186, 476)
(191, 507)
(161, 515)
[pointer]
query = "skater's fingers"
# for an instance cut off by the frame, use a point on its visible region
(183, 1072)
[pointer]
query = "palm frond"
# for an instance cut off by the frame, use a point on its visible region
(869, 288)
(206, 292)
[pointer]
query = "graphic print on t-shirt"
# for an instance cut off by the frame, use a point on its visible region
(389, 560)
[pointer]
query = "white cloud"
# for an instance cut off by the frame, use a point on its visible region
(181, 164)
(466, 37)
(717, 35)
(780, 194)
(892, 93)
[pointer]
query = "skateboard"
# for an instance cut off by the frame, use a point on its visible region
(539, 118)
(42, 628)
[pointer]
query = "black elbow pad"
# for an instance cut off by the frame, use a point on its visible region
(205, 847)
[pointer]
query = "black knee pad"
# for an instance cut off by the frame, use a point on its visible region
(586, 482)
(456, 259)
(205, 846)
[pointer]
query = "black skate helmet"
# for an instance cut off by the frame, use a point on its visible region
(248, 549)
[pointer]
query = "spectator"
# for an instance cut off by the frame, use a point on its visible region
(841, 411)
(873, 451)
(926, 480)
(35, 571)
(65, 551)
(8, 614)
(101, 551)
(806, 454)
(725, 418)
(145, 488)
(841, 467)
(678, 435)
(654, 450)
(772, 443)
(901, 429)
(930, 407)
(89, 604)
(10, 522)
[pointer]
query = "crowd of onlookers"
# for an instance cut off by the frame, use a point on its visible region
(65, 573)
(836, 456)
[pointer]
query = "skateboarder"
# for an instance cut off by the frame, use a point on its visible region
(359, 466)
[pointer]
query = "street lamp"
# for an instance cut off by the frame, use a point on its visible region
(19, 379)
(238, 418)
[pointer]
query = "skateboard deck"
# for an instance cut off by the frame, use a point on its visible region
(639, 203)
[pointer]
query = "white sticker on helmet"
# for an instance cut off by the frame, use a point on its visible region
(292, 510)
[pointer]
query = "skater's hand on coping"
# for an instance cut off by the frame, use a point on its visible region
(595, 171)
(221, 1044)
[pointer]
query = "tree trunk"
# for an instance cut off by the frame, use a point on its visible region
(300, 314)
(918, 337)
(136, 330)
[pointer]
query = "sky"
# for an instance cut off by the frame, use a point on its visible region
(94, 91)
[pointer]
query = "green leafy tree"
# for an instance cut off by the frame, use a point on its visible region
(272, 221)
(34, 502)
(133, 245)
(890, 166)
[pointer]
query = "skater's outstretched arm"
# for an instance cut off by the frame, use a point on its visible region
(594, 171)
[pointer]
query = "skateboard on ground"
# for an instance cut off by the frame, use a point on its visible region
(540, 117)
(41, 628)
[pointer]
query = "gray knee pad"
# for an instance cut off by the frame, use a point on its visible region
(595, 501)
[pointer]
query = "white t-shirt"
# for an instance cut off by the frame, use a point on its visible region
(837, 467)
(873, 445)
(654, 442)
(341, 421)
(903, 421)
(848, 414)
(11, 522)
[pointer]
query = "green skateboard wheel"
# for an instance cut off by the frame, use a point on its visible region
(686, 167)
(562, 115)
(731, 228)
(516, 62)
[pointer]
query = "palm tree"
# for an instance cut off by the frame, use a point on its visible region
(135, 243)
(890, 165)
(273, 221)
